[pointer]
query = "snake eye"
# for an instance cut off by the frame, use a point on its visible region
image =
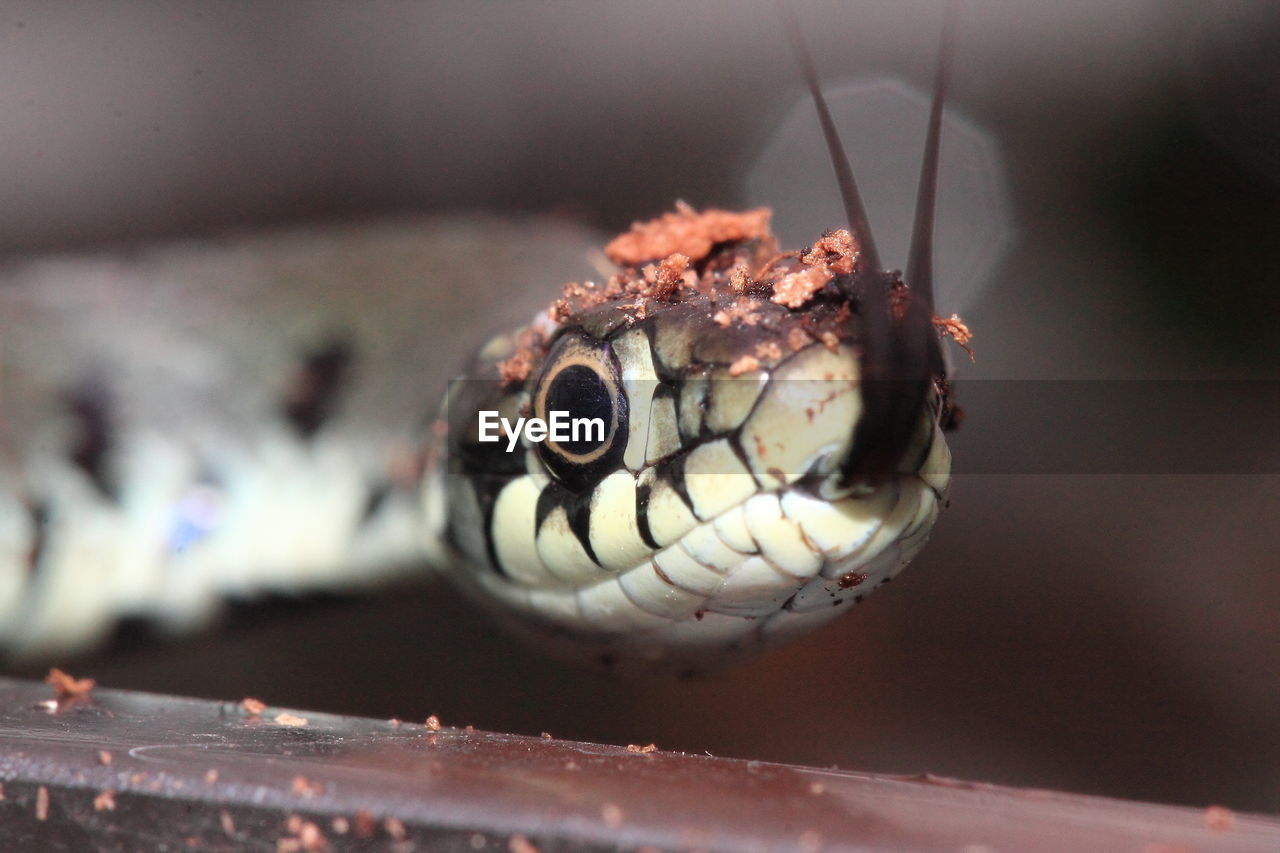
(580, 398)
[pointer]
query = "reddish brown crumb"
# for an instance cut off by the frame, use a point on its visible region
(836, 250)
(644, 750)
(686, 231)
(612, 815)
(744, 364)
(546, 735)
(395, 828)
(105, 801)
(667, 277)
(851, 579)
(953, 327)
(517, 368)
(769, 350)
(1219, 818)
(305, 787)
(306, 836)
(312, 838)
(576, 298)
(284, 718)
(365, 824)
(228, 825)
(795, 289)
(432, 723)
(42, 803)
(519, 844)
(834, 254)
(252, 706)
(899, 298)
(810, 841)
(743, 311)
(66, 687)
(798, 338)
(104, 757)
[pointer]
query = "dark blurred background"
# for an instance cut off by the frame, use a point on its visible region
(1077, 629)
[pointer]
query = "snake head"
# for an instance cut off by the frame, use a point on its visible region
(712, 500)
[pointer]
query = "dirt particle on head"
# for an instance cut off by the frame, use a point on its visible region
(284, 718)
(769, 351)
(798, 338)
(432, 723)
(642, 750)
(834, 254)
(252, 707)
(42, 803)
(666, 279)
(851, 579)
(687, 232)
(517, 367)
(953, 327)
(794, 289)
(744, 364)
(836, 250)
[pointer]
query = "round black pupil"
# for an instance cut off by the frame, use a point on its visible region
(581, 395)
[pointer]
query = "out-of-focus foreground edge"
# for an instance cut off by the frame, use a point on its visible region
(122, 770)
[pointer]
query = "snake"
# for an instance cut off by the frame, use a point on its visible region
(769, 444)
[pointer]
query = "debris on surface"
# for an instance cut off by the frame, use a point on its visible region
(1219, 818)
(284, 718)
(67, 687)
(105, 801)
(252, 707)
